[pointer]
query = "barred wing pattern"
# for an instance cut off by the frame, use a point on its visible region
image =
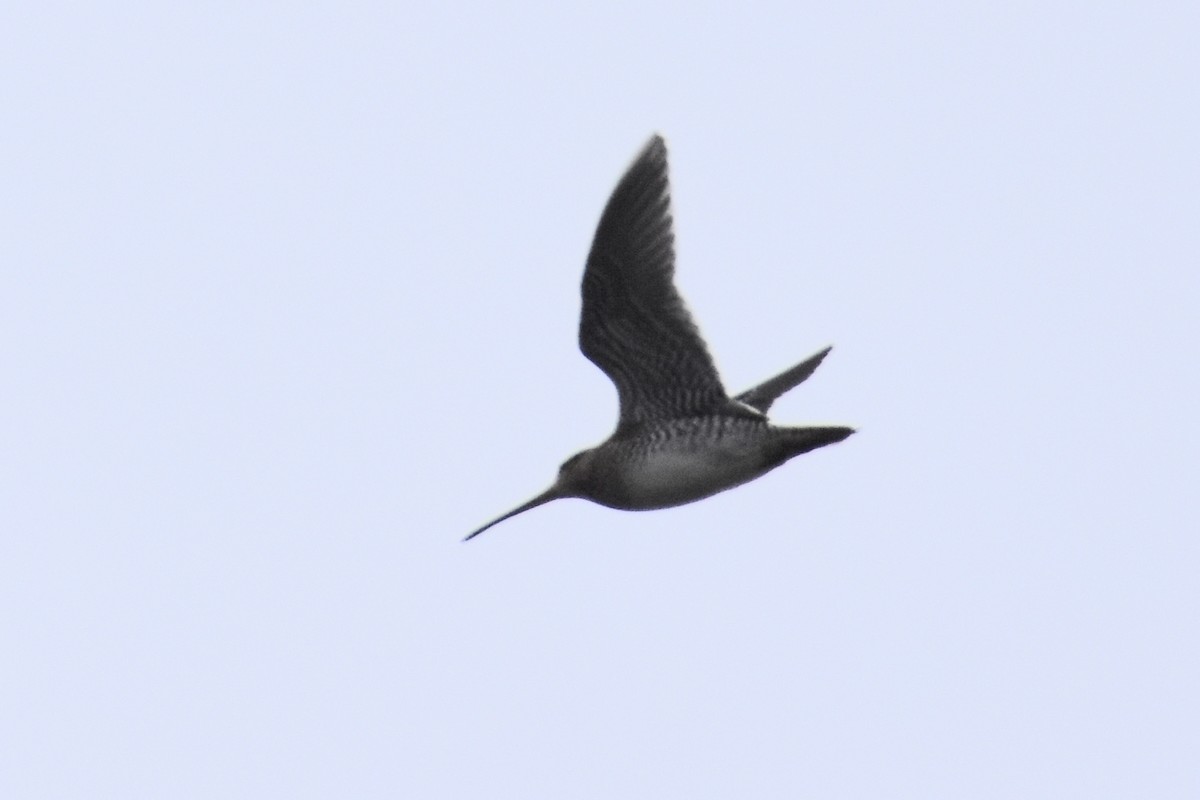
(634, 325)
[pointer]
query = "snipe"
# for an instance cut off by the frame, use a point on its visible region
(680, 437)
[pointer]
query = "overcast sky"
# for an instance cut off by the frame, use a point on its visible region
(288, 305)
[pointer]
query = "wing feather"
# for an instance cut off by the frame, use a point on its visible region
(635, 326)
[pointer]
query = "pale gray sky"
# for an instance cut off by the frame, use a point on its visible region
(289, 298)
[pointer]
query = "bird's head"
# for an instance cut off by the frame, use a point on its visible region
(572, 475)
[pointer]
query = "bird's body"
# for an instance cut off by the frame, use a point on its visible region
(676, 462)
(680, 437)
(686, 459)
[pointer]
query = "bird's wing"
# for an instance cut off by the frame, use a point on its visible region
(634, 325)
(762, 396)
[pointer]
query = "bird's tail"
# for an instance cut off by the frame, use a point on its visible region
(796, 441)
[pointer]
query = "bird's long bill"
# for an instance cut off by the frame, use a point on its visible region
(552, 493)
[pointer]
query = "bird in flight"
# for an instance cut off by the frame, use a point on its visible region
(679, 437)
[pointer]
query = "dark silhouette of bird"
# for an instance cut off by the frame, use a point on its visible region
(680, 437)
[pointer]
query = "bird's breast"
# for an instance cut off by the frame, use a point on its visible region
(684, 469)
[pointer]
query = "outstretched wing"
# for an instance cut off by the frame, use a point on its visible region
(634, 325)
(762, 396)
